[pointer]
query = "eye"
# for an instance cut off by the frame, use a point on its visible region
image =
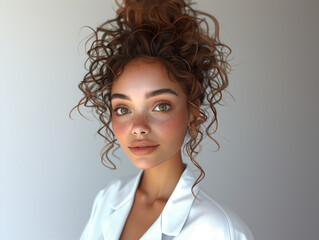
(120, 111)
(162, 107)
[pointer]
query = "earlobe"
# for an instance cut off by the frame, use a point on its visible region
(197, 102)
(191, 115)
(191, 119)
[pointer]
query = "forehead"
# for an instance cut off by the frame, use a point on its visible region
(140, 75)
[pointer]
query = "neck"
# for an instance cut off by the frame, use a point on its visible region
(159, 182)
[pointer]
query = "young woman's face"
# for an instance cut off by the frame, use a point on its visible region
(150, 114)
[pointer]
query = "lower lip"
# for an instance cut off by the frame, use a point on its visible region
(142, 150)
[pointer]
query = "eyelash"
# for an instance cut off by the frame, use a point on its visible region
(123, 106)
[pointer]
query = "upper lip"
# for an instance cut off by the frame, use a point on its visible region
(142, 143)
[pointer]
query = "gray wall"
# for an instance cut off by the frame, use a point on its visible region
(50, 166)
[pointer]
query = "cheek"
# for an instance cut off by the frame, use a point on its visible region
(175, 127)
(119, 129)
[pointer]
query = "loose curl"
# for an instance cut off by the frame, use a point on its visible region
(174, 34)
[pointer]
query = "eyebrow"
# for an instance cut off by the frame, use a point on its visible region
(148, 95)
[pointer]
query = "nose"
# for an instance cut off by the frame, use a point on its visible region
(140, 126)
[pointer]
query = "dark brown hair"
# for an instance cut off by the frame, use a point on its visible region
(176, 35)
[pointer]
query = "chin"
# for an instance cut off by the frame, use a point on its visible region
(145, 164)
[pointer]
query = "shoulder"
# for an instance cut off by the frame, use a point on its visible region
(109, 195)
(108, 192)
(215, 219)
(102, 205)
(117, 184)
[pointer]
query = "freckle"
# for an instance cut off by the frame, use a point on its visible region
(167, 124)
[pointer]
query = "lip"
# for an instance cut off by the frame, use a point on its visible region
(142, 143)
(142, 147)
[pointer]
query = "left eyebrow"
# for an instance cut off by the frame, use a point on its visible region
(148, 95)
(160, 91)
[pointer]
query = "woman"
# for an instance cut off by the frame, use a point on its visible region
(150, 71)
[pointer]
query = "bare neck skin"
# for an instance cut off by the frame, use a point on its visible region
(159, 182)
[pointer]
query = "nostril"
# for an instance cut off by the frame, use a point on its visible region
(137, 132)
(140, 129)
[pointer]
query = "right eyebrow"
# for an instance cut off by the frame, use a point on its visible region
(148, 95)
(120, 96)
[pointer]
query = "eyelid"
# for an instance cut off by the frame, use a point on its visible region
(163, 102)
(156, 105)
(118, 107)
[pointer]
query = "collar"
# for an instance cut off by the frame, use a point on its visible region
(127, 192)
(177, 208)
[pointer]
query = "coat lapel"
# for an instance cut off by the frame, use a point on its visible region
(113, 226)
(121, 205)
(177, 208)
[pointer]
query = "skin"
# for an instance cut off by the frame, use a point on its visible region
(162, 119)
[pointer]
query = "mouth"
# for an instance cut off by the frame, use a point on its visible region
(142, 143)
(144, 146)
(143, 150)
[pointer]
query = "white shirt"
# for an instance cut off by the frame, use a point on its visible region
(183, 217)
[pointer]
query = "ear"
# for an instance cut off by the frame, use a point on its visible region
(191, 116)
(197, 102)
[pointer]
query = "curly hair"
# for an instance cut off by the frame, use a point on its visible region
(174, 34)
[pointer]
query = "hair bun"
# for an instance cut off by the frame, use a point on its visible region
(163, 12)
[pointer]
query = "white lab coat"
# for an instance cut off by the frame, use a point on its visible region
(183, 217)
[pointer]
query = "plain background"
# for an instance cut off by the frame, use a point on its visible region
(266, 169)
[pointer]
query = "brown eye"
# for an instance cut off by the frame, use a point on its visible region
(121, 111)
(162, 107)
